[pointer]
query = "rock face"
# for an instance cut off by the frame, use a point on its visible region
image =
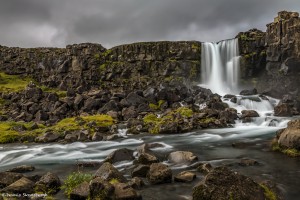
(290, 137)
(223, 184)
(271, 60)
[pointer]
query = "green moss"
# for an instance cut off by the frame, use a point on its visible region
(13, 83)
(269, 194)
(194, 46)
(114, 181)
(157, 106)
(9, 134)
(103, 67)
(107, 52)
(60, 93)
(97, 56)
(288, 151)
(73, 180)
(207, 120)
(184, 111)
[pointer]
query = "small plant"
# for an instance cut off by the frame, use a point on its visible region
(73, 180)
(269, 194)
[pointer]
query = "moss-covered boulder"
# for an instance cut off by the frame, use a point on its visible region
(223, 184)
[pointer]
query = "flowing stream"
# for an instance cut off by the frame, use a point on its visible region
(220, 64)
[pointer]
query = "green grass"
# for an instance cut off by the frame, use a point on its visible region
(60, 93)
(12, 83)
(73, 180)
(154, 123)
(269, 194)
(9, 135)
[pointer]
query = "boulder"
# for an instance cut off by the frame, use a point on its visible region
(120, 155)
(249, 113)
(110, 106)
(249, 92)
(159, 173)
(290, 137)
(229, 115)
(123, 191)
(248, 162)
(8, 178)
(204, 168)
(223, 184)
(80, 192)
(108, 172)
(185, 177)
(147, 159)
(128, 113)
(101, 188)
(48, 137)
(49, 183)
(283, 110)
(23, 185)
(133, 99)
(22, 169)
(136, 183)
(140, 171)
(181, 157)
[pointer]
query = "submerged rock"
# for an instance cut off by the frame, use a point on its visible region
(22, 169)
(185, 177)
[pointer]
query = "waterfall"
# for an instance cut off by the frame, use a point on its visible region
(220, 66)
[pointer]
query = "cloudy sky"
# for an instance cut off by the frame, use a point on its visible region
(32, 23)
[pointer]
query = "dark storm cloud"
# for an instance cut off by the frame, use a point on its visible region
(31, 23)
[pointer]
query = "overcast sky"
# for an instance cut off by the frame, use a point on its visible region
(33, 23)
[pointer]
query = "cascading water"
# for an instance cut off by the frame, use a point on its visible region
(220, 73)
(220, 66)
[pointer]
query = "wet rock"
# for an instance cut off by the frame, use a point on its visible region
(80, 192)
(125, 192)
(147, 159)
(248, 162)
(283, 110)
(22, 169)
(97, 136)
(49, 183)
(21, 186)
(101, 188)
(71, 137)
(136, 183)
(120, 155)
(290, 137)
(180, 157)
(185, 177)
(249, 113)
(48, 137)
(229, 115)
(223, 184)
(140, 171)
(146, 148)
(248, 92)
(8, 178)
(159, 173)
(204, 168)
(108, 172)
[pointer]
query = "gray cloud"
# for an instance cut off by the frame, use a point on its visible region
(30, 23)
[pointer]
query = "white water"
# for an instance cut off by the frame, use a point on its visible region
(220, 66)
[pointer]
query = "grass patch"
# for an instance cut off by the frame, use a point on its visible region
(9, 131)
(156, 106)
(73, 180)
(154, 123)
(13, 83)
(60, 93)
(269, 194)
